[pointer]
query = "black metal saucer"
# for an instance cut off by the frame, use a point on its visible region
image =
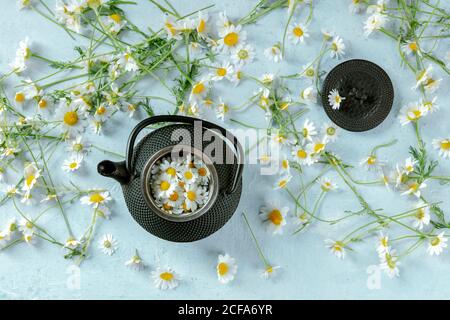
(368, 93)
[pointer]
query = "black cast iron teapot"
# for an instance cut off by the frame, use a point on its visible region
(217, 147)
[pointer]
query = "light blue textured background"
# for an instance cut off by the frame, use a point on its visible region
(308, 271)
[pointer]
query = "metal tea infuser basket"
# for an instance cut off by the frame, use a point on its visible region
(225, 166)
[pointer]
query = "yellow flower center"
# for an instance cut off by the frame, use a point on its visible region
(30, 179)
(96, 198)
(101, 110)
(231, 39)
(384, 242)
(435, 241)
(174, 196)
(420, 214)
(337, 247)
(188, 175)
(29, 225)
(413, 46)
(42, 103)
(445, 144)
(298, 32)
(243, 54)
(337, 99)
(222, 268)
(302, 154)
(331, 131)
(201, 26)
(164, 185)
(73, 165)
(198, 88)
(20, 97)
(71, 118)
(371, 160)
(318, 147)
(310, 72)
(116, 17)
(275, 217)
(221, 72)
(191, 195)
(414, 115)
(202, 172)
(285, 164)
(166, 276)
(171, 171)
(107, 244)
(282, 183)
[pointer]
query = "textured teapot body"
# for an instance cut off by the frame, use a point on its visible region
(220, 210)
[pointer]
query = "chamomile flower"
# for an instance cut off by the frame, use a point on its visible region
(421, 216)
(172, 28)
(78, 145)
(72, 243)
(309, 72)
(31, 90)
(231, 37)
(114, 22)
(437, 244)
(316, 147)
(430, 105)
(274, 53)
(297, 33)
(282, 181)
(374, 22)
(135, 262)
(267, 78)
(301, 218)
(188, 174)
(269, 271)
(222, 71)
(309, 95)
(423, 76)
(72, 120)
(411, 113)
(176, 198)
(409, 165)
(108, 244)
(443, 145)
(236, 76)
(226, 268)
(330, 131)
(72, 164)
(382, 243)
(414, 188)
(334, 99)
(29, 238)
(202, 25)
(356, 6)
(165, 278)
(243, 54)
(308, 130)
(23, 53)
(169, 167)
(31, 175)
(3, 238)
(198, 91)
(327, 185)
(411, 48)
(24, 4)
(96, 198)
(336, 247)
(284, 166)
(103, 211)
(371, 162)
(67, 15)
(102, 112)
(127, 61)
(273, 216)
(301, 155)
(164, 186)
(337, 47)
(431, 85)
(26, 226)
(389, 263)
(222, 110)
(11, 228)
(195, 196)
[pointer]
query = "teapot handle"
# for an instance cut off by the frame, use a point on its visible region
(188, 120)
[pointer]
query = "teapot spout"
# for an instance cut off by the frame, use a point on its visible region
(115, 170)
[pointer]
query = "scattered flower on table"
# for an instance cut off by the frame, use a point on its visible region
(165, 278)
(337, 47)
(437, 244)
(309, 95)
(389, 263)
(327, 185)
(108, 244)
(330, 131)
(226, 268)
(274, 53)
(334, 99)
(374, 22)
(443, 146)
(72, 164)
(135, 262)
(382, 243)
(96, 198)
(421, 216)
(336, 247)
(273, 216)
(72, 243)
(269, 272)
(309, 130)
(414, 188)
(297, 33)
(412, 113)
(283, 181)
(243, 54)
